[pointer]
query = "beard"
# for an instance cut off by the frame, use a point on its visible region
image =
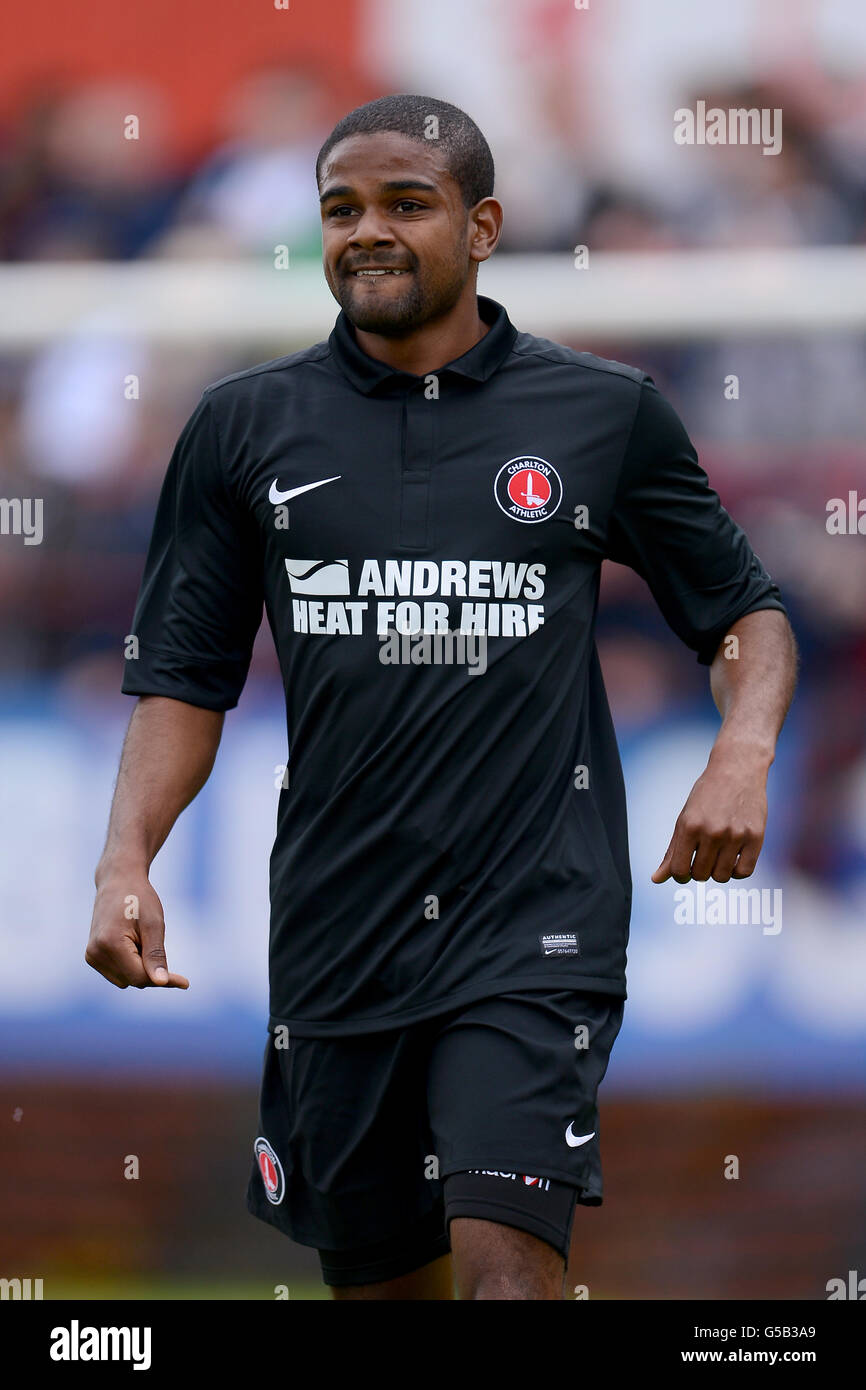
(396, 311)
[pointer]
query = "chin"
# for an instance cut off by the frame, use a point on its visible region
(383, 318)
(377, 323)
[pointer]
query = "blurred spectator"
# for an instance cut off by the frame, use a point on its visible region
(741, 197)
(622, 219)
(258, 190)
(74, 186)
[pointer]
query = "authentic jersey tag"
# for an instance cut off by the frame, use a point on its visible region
(560, 944)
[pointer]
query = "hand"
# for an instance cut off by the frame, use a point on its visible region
(722, 824)
(127, 934)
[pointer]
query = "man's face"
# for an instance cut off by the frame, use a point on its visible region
(419, 227)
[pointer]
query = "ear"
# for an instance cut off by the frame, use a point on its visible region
(486, 222)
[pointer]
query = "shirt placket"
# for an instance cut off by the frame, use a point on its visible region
(415, 466)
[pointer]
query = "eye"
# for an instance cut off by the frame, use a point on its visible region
(343, 208)
(410, 202)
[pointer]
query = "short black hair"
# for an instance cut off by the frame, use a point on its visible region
(467, 153)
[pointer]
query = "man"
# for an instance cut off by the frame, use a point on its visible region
(450, 887)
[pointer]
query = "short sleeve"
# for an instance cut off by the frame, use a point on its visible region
(669, 526)
(200, 602)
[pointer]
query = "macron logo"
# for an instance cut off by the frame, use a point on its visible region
(76, 1343)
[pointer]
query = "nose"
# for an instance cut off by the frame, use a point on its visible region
(371, 229)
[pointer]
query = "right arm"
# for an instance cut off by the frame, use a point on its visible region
(198, 611)
(167, 757)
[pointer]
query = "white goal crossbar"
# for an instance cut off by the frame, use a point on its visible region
(664, 295)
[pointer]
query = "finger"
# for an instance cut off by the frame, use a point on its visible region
(153, 957)
(137, 976)
(128, 963)
(152, 932)
(108, 962)
(686, 845)
(706, 856)
(672, 867)
(176, 981)
(114, 979)
(663, 872)
(121, 964)
(748, 857)
(727, 859)
(130, 967)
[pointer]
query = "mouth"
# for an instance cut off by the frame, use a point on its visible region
(374, 274)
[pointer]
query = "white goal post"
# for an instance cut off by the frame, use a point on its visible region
(661, 295)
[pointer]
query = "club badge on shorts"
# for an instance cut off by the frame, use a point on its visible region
(271, 1171)
(528, 488)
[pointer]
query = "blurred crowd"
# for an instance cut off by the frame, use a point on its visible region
(71, 190)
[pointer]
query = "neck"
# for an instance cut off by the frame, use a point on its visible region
(426, 349)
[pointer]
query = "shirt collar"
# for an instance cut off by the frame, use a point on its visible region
(479, 363)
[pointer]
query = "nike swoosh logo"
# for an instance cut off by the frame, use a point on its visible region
(276, 497)
(574, 1140)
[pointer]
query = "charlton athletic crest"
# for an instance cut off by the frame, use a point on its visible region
(271, 1171)
(528, 489)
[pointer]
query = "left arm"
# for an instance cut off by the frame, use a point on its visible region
(720, 830)
(668, 524)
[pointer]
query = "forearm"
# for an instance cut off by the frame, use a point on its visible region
(753, 684)
(167, 757)
(720, 830)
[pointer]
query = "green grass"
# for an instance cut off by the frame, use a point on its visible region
(123, 1288)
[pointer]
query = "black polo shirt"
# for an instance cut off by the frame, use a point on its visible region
(428, 552)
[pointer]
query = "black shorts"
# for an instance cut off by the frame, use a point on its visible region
(368, 1146)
